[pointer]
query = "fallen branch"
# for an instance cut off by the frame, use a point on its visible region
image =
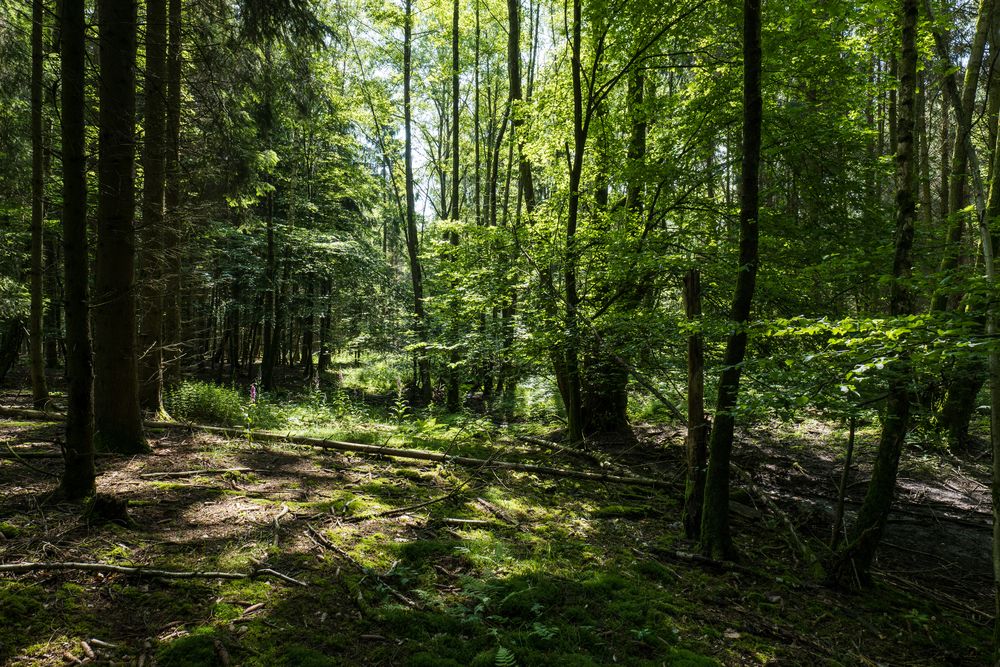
(415, 454)
(194, 473)
(148, 571)
(322, 540)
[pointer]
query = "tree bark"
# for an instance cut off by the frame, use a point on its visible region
(453, 400)
(79, 474)
(117, 416)
(697, 427)
(152, 269)
(412, 242)
(716, 541)
(39, 391)
(853, 564)
(172, 232)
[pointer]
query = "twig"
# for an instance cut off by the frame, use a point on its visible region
(147, 571)
(17, 457)
(194, 473)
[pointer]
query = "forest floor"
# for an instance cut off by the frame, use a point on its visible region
(502, 568)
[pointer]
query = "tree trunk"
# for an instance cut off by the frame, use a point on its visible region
(454, 402)
(716, 541)
(852, 565)
(412, 247)
(567, 352)
(79, 474)
(172, 328)
(697, 426)
(39, 391)
(117, 416)
(152, 268)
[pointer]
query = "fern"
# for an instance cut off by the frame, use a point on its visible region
(505, 658)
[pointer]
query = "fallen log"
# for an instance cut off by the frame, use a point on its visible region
(148, 571)
(378, 450)
(415, 454)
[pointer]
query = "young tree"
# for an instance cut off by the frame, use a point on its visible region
(715, 538)
(153, 178)
(39, 392)
(852, 565)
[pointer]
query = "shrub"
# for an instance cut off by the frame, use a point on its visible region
(207, 403)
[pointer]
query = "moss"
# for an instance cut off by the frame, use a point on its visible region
(195, 650)
(624, 512)
(9, 530)
(293, 655)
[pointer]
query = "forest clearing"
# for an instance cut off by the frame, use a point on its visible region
(499, 332)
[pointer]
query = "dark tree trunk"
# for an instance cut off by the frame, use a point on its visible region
(175, 346)
(79, 474)
(53, 313)
(152, 268)
(117, 416)
(697, 427)
(39, 391)
(716, 541)
(853, 564)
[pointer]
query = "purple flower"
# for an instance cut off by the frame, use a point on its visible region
(253, 392)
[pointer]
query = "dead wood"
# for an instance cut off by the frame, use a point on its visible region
(142, 571)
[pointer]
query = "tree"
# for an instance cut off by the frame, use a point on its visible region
(715, 538)
(853, 563)
(117, 415)
(154, 157)
(39, 391)
(79, 474)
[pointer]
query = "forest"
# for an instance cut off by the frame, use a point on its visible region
(482, 332)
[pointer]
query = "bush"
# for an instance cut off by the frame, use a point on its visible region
(207, 403)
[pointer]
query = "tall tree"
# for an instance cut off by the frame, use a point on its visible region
(79, 474)
(153, 180)
(716, 540)
(454, 378)
(412, 240)
(39, 391)
(117, 416)
(852, 565)
(172, 230)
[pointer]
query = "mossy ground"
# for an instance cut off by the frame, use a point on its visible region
(561, 572)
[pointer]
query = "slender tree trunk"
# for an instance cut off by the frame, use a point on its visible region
(716, 541)
(53, 319)
(117, 416)
(79, 474)
(697, 426)
(454, 402)
(39, 391)
(412, 247)
(172, 328)
(852, 565)
(152, 268)
(567, 352)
